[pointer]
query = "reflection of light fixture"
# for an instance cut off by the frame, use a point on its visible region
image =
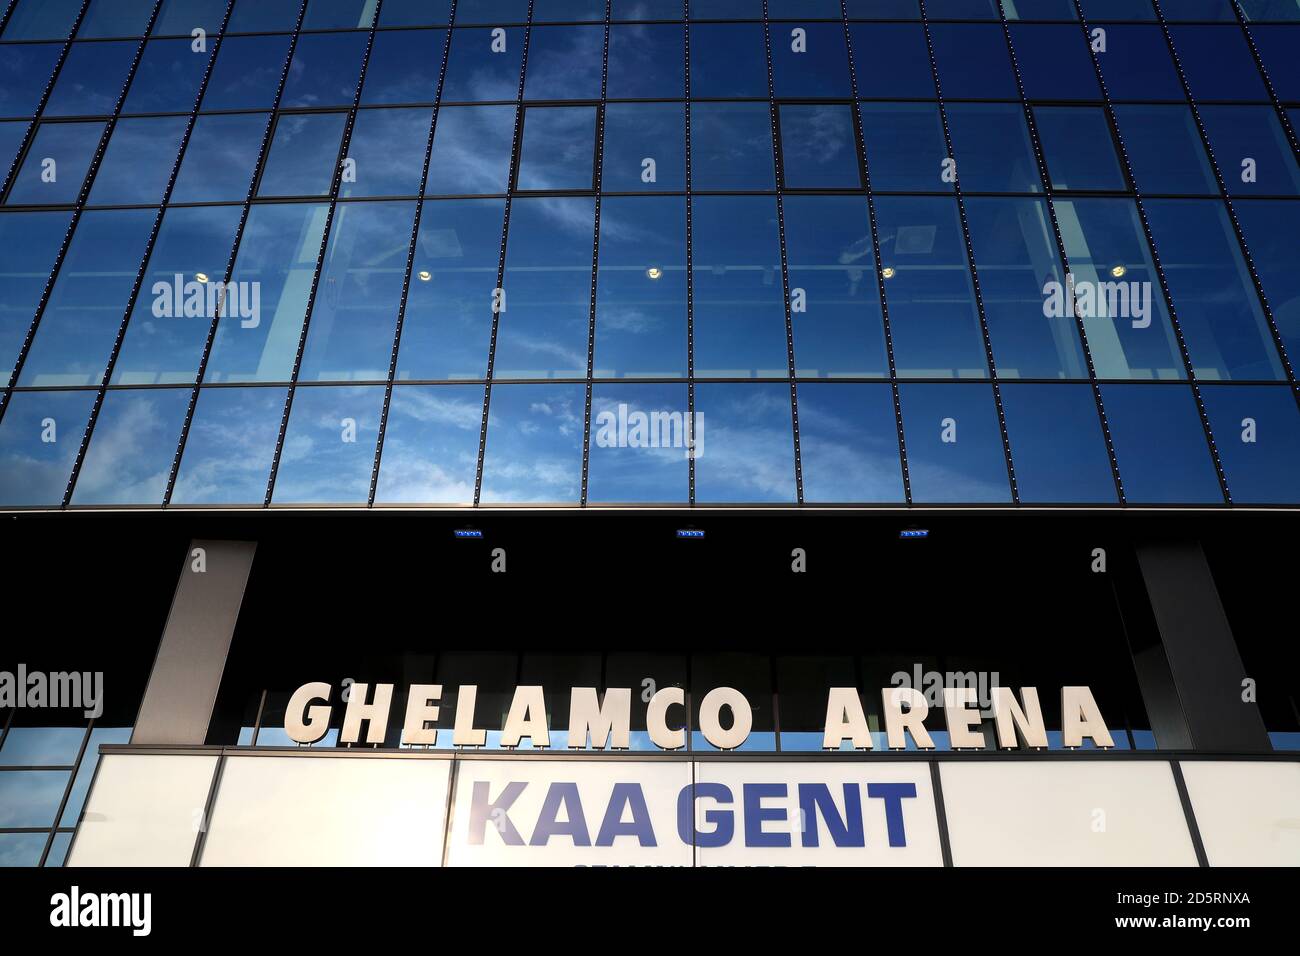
(425, 275)
(888, 272)
(1118, 272)
(654, 272)
(201, 276)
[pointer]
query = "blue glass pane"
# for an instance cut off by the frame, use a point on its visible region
(739, 299)
(848, 441)
(339, 14)
(932, 311)
(1257, 432)
(139, 161)
(962, 9)
(891, 61)
(819, 148)
(56, 164)
(246, 75)
(167, 79)
(92, 78)
(20, 849)
(1164, 150)
(534, 444)
(1269, 228)
(800, 9)
(304, 155)
(1057, 444)
(641, 441)
(257, 334)
(726, 9)
(430, 450)
(835, 301)
(564, 63)
(639, 132)
(905, 147)
(175, 308)
(448, 322)
(731, 146)
(325, 70)
(1163, 454)
(1220, 315)
(404, 66)
(58, 849)
(1117, 9)
(973, 61)
(810, 61)
(1039, 9)
(24, 72)
(641, 290)
(1277, 46)
(646, 10)
(481, 66)
(231, 443)
(992, 148)
(329, 446)
(885, 9)
(42, 20)
(27, 746)
(491, 11)
(1015, 256)
(1217, 63)
(647, 62)
(744, 443)
(40, 436)
(220, 158)
(131, 450)
(89, 299)
(264, 16)
(387, 148)
(31, 241)
(412, 13)
(1079, 148)
(85, 773)
(354, 316)
(1054, 62)
(178, 17)
(471, 150)
(543, 330)
(954, 445)
(1265, 10)
(728, 60)
(559, 148)
(11, 140)
(1137, 64)
(1251, 150)
(30, 798)
(564, 11)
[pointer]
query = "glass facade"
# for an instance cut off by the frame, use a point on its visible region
(275, 254)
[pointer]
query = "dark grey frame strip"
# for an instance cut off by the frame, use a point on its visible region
(690, 260)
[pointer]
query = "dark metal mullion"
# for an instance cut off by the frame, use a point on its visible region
(779, 170)
(208, 344)
(80, 203)
(690, 271)
(144, 263)
(1287, 126)
(410, 263)
(875, 250)
(516, 144)
(67, 791)
(970, 264)
(595, 254)
(1050, 202)
(325, 239)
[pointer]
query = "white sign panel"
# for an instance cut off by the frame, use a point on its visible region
(1248, 811)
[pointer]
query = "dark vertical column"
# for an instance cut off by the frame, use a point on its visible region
(182, 689)
(1198, 643)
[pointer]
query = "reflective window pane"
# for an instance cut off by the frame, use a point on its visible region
(905, 147)
(259, 16)
(387, 150)
(42, 19)
(1137, 64)
(1252, 150)
(325, 70)
(220, 158)
(1057, 444)
(891, 61)
(414, 13)
(491, 11)
(179, 17)
(645, 147)
(131, 450)
(231, 443)
(430, 450)
(404, 66)
(304, 155)
(731, 146)
(329, 446)
(1269, 228)
(167, 79)
(641, 442)
(819, 148)
(91, 79)
(559, 148)
(564, 63)
(40, 436)
(139, 160)
(1257, 433)
(534, 444)
(56, 165)
(549, 11)
(954, 445)
(471, 150)
(338, 14)
(992, 148)
(246, 74)
(973, 61)
(728, 61)
(475, 72)
(1163, 454)
(848, 441)
(31, 798)
(25, 71)
(1165, 150)
(745, 443)
(809, 61)
(1217, 62)
(32, 241)
(647, 61)
(1054, 62)
(1079, 148)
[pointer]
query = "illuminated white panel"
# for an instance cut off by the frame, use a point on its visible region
(1248, 811)
(1065, 813)
(328, 811)
(143, 810)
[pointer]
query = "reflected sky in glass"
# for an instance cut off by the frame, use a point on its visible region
(747, 438)
(564, 63)
(40, 436)
(246, 74)
(30, 798)
(818, 147)
(132, 448)
(728, 60)
(731, 147)
(905, 147)
(1164, 456)
(138, 162)
(1257, 432)
(820, 65)
(325, 70)
(220, 159)
(71, 147)
(304, 155)
(534, 444)
(1049, 470)
(471, 151)
(387, 147)
(637, 132)
(91, 79)
(991, 144)
(231, 443)
(640, 443)
(475, 74)
(954, 445)
(848, 443)
(167, 79)
(559, 148)
(431, 445)
(31, 241)
(404, 66)
(24, 72)
(329, 446)
(647, 61)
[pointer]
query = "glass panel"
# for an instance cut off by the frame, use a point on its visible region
(932, 312)
(131, 451)
(20, 849)
(59, 849)
(534, 444)
(992, 147)
(905, 147)
(40, 436)
(1225, 328)
(175, 308)
(1164, 150)
(726, 9)
(1257, 433)
(430, 450)
(962, 9)
(739, 299)
(1277, 47)
(24, 72)
(31, 241)
(471, 150)
(448, 323)
(1163, 454)
(1039, 9)
(731, 146)
(1118, 9)
(257, 335)
(138, 162)
(549, 11)
(1015, 255)
(799, 9)
(1217, 62)
(647, 62)
(1079, 149)
(30, 798)
(230, 446)
(641, 442)
(564, 63)
(848, 442)
(1057, 444)
(481, 67)
(1199, 10)
(91, 79)
(835, 301)
(728, 61)
(892, 61)
(247, 73)
(1054, 62)
(973, 61)
(359, 293)
(1251, 150)
(404, 66)
(220, 158)
(543, 329)
(559, 148)
(339, 14)
(1116, 290)
(819, 149)
(641, 291)
(1269, 228)
(43, 20)
(387, 149)
(810, 61)
(329, 446)
(12, 136)
(85, 773)
(1137, 64)
(1255, 10)
(27, 746)
(645, 147)
(89, 300)
(325, 71)
(646, 10)
(954, 444)
(747, 452)
(259, 16)
(167, 79)
(410, 13)
(182, 16)
(491, 11)
(56, 164)
(304, 155)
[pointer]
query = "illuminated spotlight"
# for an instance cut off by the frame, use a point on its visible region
(888, 272)
(654, 272)
(690, 533)
(425, 275)
(1119, 272)
(468, 533)
(201, 276)
(914, 533)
